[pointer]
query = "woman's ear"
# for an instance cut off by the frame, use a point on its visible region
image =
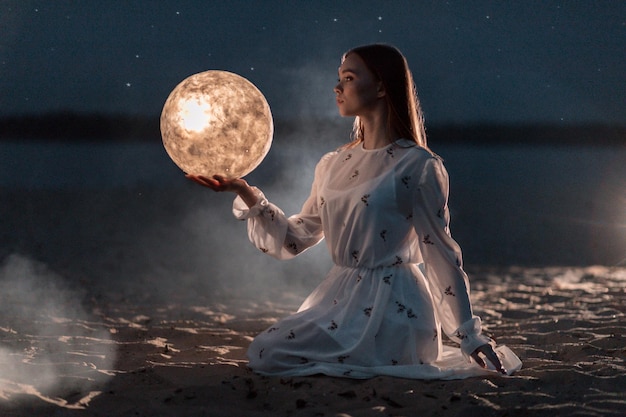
(380, 92)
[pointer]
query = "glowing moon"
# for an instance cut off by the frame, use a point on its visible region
(216, 122)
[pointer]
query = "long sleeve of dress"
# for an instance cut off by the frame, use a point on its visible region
(271, 231)
(442, 257)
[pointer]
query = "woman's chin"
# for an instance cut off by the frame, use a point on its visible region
(344, 113)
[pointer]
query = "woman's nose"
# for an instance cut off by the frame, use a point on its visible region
(337, 89)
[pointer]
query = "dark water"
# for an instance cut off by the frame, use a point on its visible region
(510, 205)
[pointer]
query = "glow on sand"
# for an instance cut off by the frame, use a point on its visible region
(216, 122)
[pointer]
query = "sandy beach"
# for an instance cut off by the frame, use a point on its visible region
(141, 301)
(151, 358)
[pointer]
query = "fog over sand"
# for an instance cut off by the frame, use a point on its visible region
(50, 342)
(127, 290)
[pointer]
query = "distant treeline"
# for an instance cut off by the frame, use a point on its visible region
(65, 126)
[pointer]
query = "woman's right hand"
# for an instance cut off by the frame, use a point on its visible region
(219, 183)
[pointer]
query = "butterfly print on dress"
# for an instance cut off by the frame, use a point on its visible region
(365, 199)
(401, 307)
(409, 311)
(449, 291)
(405, 180)
(427, 240)
(292, 246)
(355, 256)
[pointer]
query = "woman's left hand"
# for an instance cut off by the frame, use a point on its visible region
(490, 355)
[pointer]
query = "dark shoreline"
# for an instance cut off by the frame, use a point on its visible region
(64, 126)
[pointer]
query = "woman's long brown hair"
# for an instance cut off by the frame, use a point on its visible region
(404, 114)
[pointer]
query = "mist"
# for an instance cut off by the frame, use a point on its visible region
(50, 345)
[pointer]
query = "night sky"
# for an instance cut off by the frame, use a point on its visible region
(473, 61)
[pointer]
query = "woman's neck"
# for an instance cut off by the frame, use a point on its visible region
(375, 132)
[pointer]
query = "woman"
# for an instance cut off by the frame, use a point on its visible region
(380, 203)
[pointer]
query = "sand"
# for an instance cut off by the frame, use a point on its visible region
(567, 325)
(100, 317)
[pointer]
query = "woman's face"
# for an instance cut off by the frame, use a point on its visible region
(358, 91)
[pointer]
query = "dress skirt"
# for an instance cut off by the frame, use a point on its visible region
(360, 323)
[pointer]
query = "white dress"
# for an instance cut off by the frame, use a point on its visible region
(397, 281)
